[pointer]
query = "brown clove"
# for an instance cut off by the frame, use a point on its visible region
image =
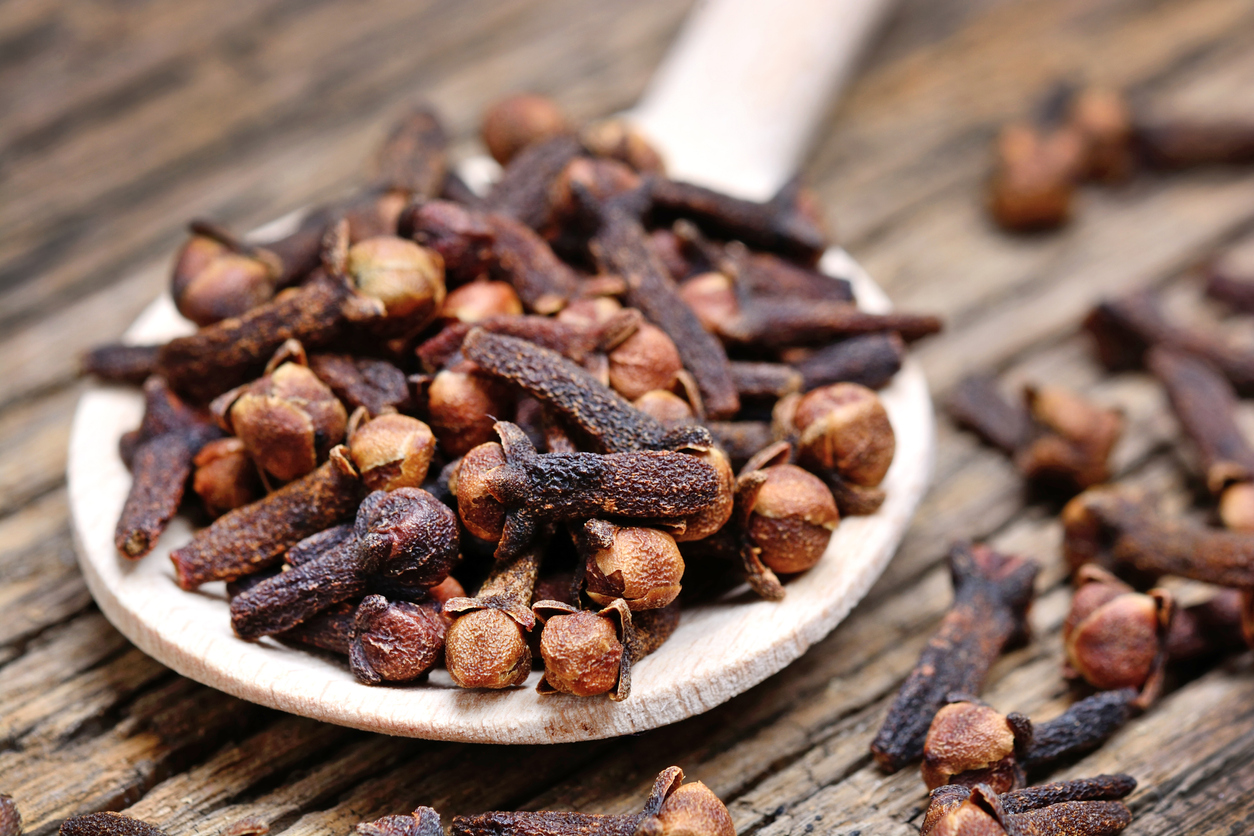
(121, 362)
(992, 593)
(424, 821)
(641, 566)
(868, 359)
(1184, 143)
(367, 382)
(1083, 807)
(395, 641)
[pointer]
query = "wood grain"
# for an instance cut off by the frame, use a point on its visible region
(899, 167)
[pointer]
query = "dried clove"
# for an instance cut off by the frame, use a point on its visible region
(108, 824)
(764, 380)
(513, 123)
(1104, 120)
(391, 451)
(483, 299)
(575, 341)
(978, 405)
(288, 419)
(424, 821)
(366, 382)
(170, 436)
(475, 243)
(330, 630)
(970, 743)
(617, 139)
(608, 421)
(1182, 143)
(1206, 629)
(642, 566)
(255, 536)
(782, 321)
(536, 488)
(121, 362)
(787, 224)
(522, 193)
(395, 641)
(413, 160)
(868, 359)
(1205, 405)
(462, 405)
(621, 247)
(741, 440)
(844, 428)
(1118, 530)
(646, 360)
(225, 477)
(786, 516)
(1084, 807)
(992, 593)
(1034, 177)
(1230, 278)
(666, 408)
(1125, 328)
(10, 817)
(217, 276)
(1115, 637)
(485, 646)
(405, 535)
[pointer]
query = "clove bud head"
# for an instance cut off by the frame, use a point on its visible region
(966, 738)
(792, 519)
(463, 407)
(640, 565)
(288, 420)
(482, 299)
(487, 649)
(1113, 635)
(407, 279)
(691, 810)
(582, 653)
(515, 122)
(395, 642)
(617, 139)
(844, 427)
(391, 451)
(645, 361)
(481, 512)
(667, 407)
(714, 516)
(407, 535)
(212, 282)
(225, 476)
(712, 297)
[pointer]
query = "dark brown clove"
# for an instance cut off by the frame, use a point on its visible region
(765, 380)
(515, 122)
(571, 340)
(225, 477)
(255, 536)
(395, 641)
(977, 404)
(330, 630)
(366, 382)
(644, 361)
(1126, 327)
(217, 276)
(788, 223)
(1205, 405)
(316, 545)
(1115, 637)
(10, 818)
(534, 488)
(413, 159)
(121, 362)
(868, 359)
(108, 824)
(1084, 807)
(1206, 629)
(1118, 530)
(741, 440)
(486, 645)
(787, 516)
(1230, 278)
(992, 593)
(641, 566)
(609, 422)
(1074, 449)
(405, 535)
(621, 247)
(522, 193)
(1034, 176)
(170, 436)
(424, 821)
(783, 321)
(1184, 143)
(764, 274)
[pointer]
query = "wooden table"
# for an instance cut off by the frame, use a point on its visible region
(121, 121)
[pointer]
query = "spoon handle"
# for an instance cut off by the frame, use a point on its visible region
(737, 99)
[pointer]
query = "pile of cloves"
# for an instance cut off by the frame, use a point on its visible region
(673, 808)
(434, 427)
(1095, 135)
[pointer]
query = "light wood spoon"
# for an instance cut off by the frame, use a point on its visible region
(733, 106)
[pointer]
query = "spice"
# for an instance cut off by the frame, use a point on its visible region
(463, 405)
(1117, 529)
(121, 362)
(405, 535)
(867, 359)
(1115, 637)
(764, 380)
(787, 223)
(395, 641)
(10, 818)
(1084, 807)
(641, 565)
(621, 247)
(171, 435)
(424, 821)
(970, 743)
(225, 477)
(255, 536)
(1206, 629)
(788, 516)
(391, 451)
(978, 405)
(485, 646)
(480, 300)
(367, 382)
(575, 341)
(413, 159)
(992, 593)
(1034, 177)
(616, 139)
(108, 824)
(1183, 143)
(537, 488)
(779, 322)
(217, 276)
(522, 193)
(845, 428)
(741, 440)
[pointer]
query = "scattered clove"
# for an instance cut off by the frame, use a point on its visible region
(522, 193)
(992, 593)
(424, 821)
(1084, 807)
(1181, 143)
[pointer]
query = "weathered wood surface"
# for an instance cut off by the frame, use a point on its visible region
(122, 120)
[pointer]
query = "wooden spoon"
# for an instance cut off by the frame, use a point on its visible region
(733, 106)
